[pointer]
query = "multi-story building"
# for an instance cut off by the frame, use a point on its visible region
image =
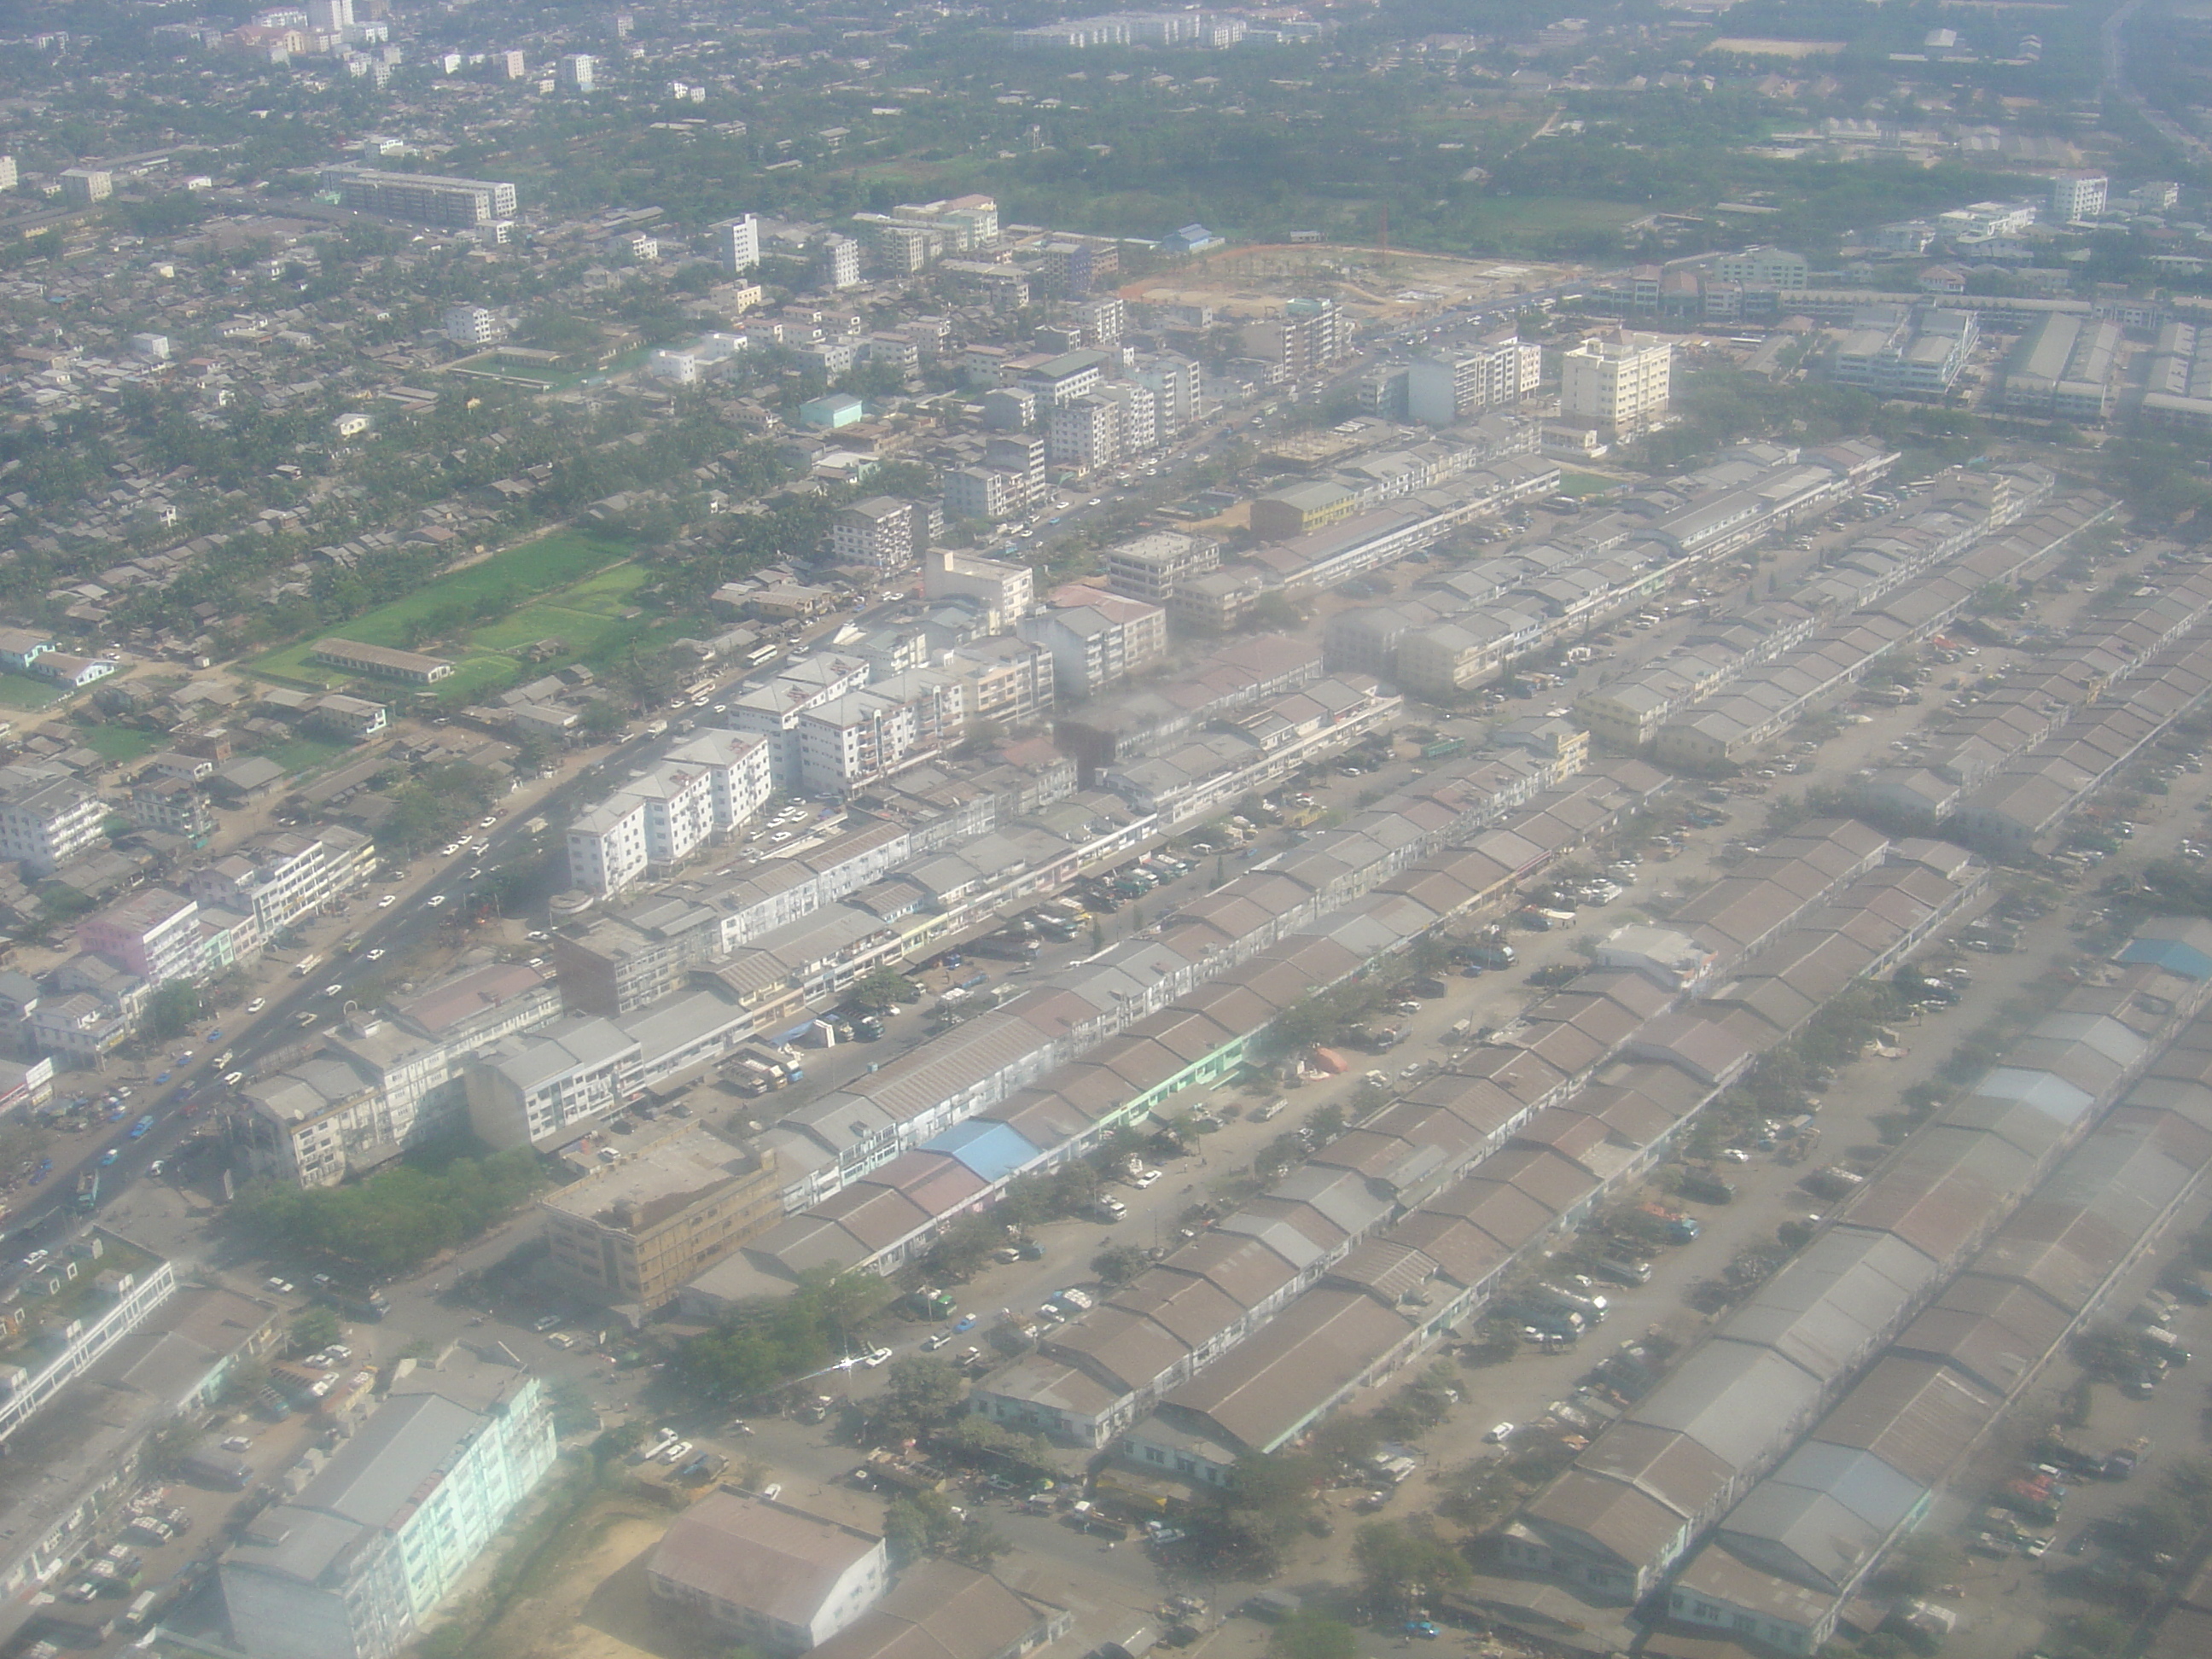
(1005, 680)
(2078, 196)
(1139, 428)
(82, 186)
(879, 531)
(841, 262)
(984, 495)
(541, 1089)
(1460, 382)
(2063, 369)
(171, 805)
(633, 1231)
(46, 816)
(1096, 643)
(1024, 457)
(706, 785)
(282, 876)
(767, 1575)
(1153, 567)
(1083, 433)
(580, 72)
(737, 243)
(1621, 385)
(874, 732)
(772, 711)
(1056, 380)
(1766, 268)
(355, 1564)
(1901, 353)
(1005, 590)
(155, 933)
(1176, 384)
(511, 65)
(473, 326)
(1306, 337)
(422, 199)
(1104, 321)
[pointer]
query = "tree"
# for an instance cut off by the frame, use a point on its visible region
(923, 1523)
(1313, 1636)
(168, 1446)
(923, 1394)
(602, 717)
(882, 989)
(1117, 1264)
(1399, 1563)
(171, 1011)
(314, 1330)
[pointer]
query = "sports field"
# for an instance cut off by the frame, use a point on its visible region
(570, 586)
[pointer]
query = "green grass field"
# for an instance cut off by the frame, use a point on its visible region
(569, 587)
(120, 743)
(1585, 483)
(22, 691)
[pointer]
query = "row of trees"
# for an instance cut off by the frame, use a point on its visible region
(768, 1346)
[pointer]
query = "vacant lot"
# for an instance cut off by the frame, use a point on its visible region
(568, 587)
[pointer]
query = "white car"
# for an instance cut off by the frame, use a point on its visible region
(282, 1286)
(678, 1451)
(376, 955)
(257, 1004)
(878, 1358)
(388, 901)
(332, 988)
(1145, 1179)
(486, 822)
(435, 899)
(1499, 1434)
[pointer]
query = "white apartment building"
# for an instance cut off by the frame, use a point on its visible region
(46, 816)
(580, 72)
(1083, 433)
(707, 784)
(1620, 384)
(874, 732)
(841, 262)
(1176, 384)
(543, 1089)
(282, 876)
(1764, 268)
(2078, 196)
(1095, 645)
(356, 1564)
(1140, 416)
(1465, 379)
(772, 711)
(984, 495)
(737, 243)
(473, 326)
(879, 531)
(1006, 591)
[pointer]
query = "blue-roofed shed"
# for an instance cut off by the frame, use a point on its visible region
(993, 1151)
(2175, 955)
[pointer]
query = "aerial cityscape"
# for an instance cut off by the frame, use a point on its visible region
(942, 832)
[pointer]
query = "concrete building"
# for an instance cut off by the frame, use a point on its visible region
(705, 785)
(1463, 380)
(1900, 352)
(1621, 385)
(580, 72)
(282, 876)
(1083, 433)
(841, 262)
(632, 1232)
(154, 933)
(46, 816)
(737, 243)
(1154, 567)
(879, 531)
(1005, 590)
(2063, 367)
(82, 186)
(2076, 196)
(542, 1090)
(1099, 643)
(1764, 269)
(422, 199)
(473, 326)
(767, 1574)
(381, 661)
(356, 1562)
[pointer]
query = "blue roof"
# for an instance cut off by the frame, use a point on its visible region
(1195, 232)
(991, 1151)
(2170, 954)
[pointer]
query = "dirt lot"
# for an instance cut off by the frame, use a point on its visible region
(1257, 282)
(592, 1601)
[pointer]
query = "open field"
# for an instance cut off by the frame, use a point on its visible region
(1257, 282)
(120, 743)
(587, 1598)
(565, 586)
(22, 691)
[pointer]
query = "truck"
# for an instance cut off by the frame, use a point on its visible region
(1680, 1228)
(88, 1192)
(1493, 955)
(1624, 1268)
(1592, 1307)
